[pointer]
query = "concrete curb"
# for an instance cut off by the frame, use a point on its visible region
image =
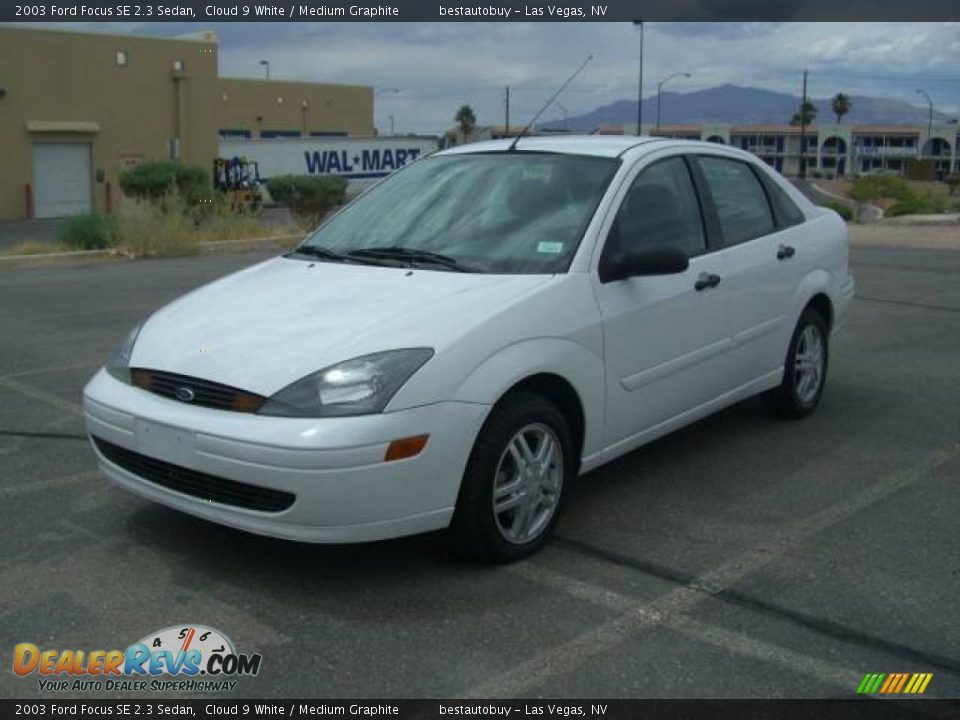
(945, 219)
(85, 257)
(863, 212)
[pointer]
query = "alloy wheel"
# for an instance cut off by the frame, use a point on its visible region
(808, 364)
(527, 483)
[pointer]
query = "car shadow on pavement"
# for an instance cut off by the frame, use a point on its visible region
(235, 556)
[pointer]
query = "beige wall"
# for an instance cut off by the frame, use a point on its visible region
(65, 77)
(67, 86)
(256, 105)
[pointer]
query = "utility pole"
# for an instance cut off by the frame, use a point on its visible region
(803, 128)
(506, 110)
(639, 23)
(929, 121)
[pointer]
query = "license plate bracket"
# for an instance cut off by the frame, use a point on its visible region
(164, 442)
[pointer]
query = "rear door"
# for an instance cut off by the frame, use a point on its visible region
(665, 337)
(763, 261)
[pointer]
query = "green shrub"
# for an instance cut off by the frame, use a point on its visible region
(874, 187)
(91, 231)
(953, 182)
(917, 204)
(156, 179)
(309, 197)
(842, 210)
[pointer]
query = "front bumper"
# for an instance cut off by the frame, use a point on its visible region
(334, 466)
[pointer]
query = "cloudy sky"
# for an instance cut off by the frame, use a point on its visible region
(439, 66)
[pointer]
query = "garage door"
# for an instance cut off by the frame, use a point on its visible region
(61, 179)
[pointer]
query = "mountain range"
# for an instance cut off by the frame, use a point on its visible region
(731, 104)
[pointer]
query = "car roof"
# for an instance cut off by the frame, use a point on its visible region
(598, 145)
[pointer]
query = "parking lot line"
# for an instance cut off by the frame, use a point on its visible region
(8, 493)
(567, 657)
(47, 370)
(42, 396)
(909, 304)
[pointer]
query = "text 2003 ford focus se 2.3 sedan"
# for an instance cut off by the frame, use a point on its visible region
(464, 339)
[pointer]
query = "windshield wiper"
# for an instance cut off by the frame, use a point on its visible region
(396, 252)
(318, 251)
(324, 253)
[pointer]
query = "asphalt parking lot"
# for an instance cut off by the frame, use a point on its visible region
(740, 557)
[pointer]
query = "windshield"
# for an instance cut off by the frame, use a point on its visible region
(497, 213)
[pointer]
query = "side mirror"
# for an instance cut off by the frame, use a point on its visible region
(656, 260)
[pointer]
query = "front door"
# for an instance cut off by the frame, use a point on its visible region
(665, 336)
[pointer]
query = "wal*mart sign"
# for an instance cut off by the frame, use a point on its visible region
(374, 162)
(355, 159)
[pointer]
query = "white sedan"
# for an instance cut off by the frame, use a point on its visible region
(463, 340)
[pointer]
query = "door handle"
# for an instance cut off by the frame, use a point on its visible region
(706, 280)
(785, 252)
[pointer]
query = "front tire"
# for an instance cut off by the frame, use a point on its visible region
(513, 488)
(805, 368)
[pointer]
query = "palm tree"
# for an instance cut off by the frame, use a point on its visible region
(806, 114)
(840, 105)
(466, 120)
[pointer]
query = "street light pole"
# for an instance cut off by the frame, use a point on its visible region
(639, 23)
(564, 111)
(660, 87)
(380, 91)
(266, 64)
(929, 119)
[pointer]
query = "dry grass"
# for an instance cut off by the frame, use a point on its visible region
(932, 187)
(34, 247)
(171, 228)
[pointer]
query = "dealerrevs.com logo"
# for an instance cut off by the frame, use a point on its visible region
(181, 658)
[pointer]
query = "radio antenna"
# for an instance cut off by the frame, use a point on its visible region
(513, 145)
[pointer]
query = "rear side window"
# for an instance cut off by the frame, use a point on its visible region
(786, 211)
(742, 206)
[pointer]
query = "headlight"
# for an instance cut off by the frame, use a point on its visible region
(361, 386)
(119, 363)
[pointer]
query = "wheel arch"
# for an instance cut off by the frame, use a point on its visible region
(559, 391)
(815, 291)
(561, 370)
(822, 304)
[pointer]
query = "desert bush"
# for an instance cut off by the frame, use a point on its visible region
(874, 187)
(157, 229)
(919, 204)
(174, 227)
(90, 231)
(953, 182)
(842, 210)
(156, 180)
(309, 197)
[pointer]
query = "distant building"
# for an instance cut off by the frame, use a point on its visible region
(834, 150)
(78, 108)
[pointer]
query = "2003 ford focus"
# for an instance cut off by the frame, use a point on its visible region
(459, 343)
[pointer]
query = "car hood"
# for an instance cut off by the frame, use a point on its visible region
(267, 326)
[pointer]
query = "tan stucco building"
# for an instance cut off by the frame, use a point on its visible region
(78, 108)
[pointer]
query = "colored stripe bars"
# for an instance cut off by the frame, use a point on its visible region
(894, 683)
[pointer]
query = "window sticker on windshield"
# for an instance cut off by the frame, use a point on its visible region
(550, 247)
(538, 172)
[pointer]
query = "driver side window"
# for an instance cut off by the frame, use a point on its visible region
(661, 208)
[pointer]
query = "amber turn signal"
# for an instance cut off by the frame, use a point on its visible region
(405, 447)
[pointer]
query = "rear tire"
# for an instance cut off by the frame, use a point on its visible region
(805, 369)
(513, 489)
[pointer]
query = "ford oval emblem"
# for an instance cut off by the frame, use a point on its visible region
(184, 394)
